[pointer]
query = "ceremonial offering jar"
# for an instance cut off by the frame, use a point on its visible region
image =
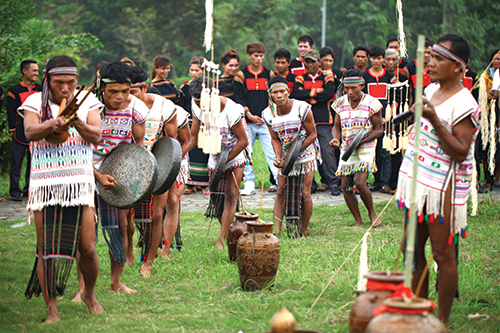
(410, 315)
(237, 228)
(379, 286)
(258, 255)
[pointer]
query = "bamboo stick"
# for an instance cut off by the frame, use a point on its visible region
(261, 193)
(410, 244)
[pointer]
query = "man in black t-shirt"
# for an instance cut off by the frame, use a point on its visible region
(20, 146)
(393, 43)
(398, 97)
(304, 44)
(250, 90)
(318, 89)
(410, 71)
(377, 80)
(360, 57)
(282, 63)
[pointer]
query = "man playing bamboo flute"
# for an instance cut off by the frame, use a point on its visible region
(234, 134)
(449, 126)
(355, 111)
(288, 119)
(62, 186)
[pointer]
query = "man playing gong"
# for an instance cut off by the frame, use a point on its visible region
(171, 226)
(234, 133)
(355, 111)
(123, 122)
(287, 120)
(161, 121)
(62, 186)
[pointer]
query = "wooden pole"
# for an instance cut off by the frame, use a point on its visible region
(410, 244)
(261, 193)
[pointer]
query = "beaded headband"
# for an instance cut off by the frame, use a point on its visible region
(352, 81)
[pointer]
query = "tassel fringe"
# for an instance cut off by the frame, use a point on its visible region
(65, 195)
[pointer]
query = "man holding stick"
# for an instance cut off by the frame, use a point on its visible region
(235, 136)
(355, 111)
(450, 121)
(62, 186)
(288, 119)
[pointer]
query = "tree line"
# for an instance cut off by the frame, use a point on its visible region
(97, 30)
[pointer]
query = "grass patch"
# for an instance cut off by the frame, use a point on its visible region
(198, 289)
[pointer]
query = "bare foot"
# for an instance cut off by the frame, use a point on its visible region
(78, 297)
(92, 304)
(375, 221)
(146, 269)
(219, 243)
(121, 287)
(52, 318)
(358, 224)
(165, 252)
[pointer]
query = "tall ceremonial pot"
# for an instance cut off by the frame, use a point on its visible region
(406, 315)
(258, 254)
(379, 286)
(238, 228)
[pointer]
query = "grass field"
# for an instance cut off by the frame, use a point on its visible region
(198, 289)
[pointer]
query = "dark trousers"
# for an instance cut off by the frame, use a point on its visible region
(383, 161)
(330, 161)
(396, 161)
(481, 156)
(18, 152)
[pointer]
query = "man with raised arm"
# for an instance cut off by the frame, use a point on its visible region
(62, 186)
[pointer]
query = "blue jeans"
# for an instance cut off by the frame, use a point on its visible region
(265, 141)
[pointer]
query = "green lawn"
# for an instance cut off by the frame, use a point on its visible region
(198, 289)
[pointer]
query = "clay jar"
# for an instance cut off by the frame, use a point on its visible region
(406, 316)
(237, 228)
(258, 254)
(379, 286)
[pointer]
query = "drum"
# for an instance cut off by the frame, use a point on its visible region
(354, 144)
(168, 154)
(219, 168)
(291, 156)
(135, 171)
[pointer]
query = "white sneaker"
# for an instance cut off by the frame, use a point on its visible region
(249, 188)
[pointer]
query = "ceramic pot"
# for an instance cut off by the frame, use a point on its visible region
(258, 254)
(406, 316)
(379, 286)
(238, 228)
